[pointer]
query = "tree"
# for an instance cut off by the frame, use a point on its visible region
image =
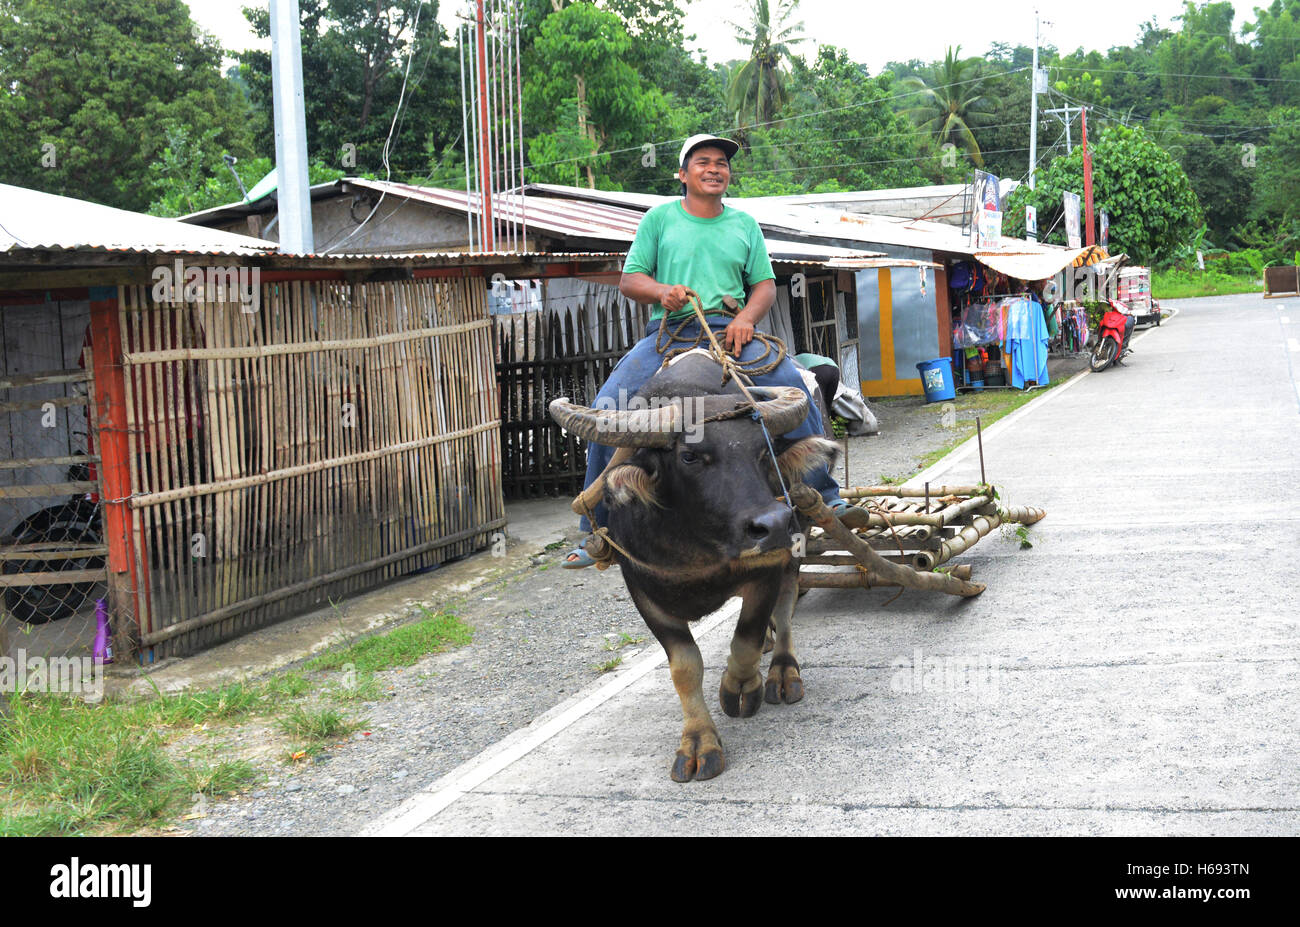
(355, 56)
(760, 84)
(847, 135)
(89, 89)
(585, 99)
(952, 103)
(1149, 198)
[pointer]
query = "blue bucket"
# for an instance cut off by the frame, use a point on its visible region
(936, 379)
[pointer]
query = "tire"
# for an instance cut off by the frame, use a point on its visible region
(1103, 355)
(75, 522)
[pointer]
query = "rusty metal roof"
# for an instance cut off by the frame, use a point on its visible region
(32, 220)
(589, 218)
(551, 214)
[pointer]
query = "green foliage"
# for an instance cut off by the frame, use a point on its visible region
(856, 141)
(586, 100)
(400, 647)
(951, 103)
(1153, 209)
(182, 184)
(758, 86)
(100, 84)
(354, 60)
(1184, 284)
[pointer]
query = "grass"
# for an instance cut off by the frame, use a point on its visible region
(315, 728)
(609, 665)
(623, 640)
(70, 767)
(989, 405)
(1182, 284)
(438, 631)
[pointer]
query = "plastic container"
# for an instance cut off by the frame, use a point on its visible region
(936, 379)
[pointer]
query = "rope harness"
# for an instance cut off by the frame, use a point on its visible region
(732, 369)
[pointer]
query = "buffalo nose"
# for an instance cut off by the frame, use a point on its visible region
(771, 527)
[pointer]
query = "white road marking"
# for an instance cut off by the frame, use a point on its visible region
(425, 804)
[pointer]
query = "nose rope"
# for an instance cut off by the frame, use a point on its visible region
(772, 451)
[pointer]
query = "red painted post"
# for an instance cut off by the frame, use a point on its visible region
(1089, 237)
(115, 461)
(488, 240)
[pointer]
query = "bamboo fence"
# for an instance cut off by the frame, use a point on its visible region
(541, 356)
(339, 436)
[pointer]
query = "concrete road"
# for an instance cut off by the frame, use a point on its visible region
(1135, 672)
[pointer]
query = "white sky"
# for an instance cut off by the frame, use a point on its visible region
(872, 31)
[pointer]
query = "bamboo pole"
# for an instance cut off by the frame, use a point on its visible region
(227, 352)
(936, 492)
(129, 301)
(879, 570)
(979, 527)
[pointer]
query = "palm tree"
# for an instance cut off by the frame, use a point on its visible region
(759, 84)
(953, 104)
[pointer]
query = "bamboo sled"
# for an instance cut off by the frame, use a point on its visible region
(889, 539)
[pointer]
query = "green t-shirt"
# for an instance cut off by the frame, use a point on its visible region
(714, 257)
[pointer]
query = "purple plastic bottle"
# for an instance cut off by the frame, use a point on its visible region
(103, 634)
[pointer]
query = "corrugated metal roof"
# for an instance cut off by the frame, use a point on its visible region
(558, 216)
(778, 214)
(591, 219)
(30, 219)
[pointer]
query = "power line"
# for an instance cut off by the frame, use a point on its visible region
(759, 125)
(397, 115)
(816, 167)
(1105, 70)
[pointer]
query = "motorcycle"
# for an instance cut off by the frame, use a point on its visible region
(1112, 337)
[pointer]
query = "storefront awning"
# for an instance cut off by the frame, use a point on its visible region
(1040, 265)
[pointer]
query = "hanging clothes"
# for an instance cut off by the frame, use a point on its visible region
(1026, 343)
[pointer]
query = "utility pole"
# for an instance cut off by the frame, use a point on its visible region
(1090, 237)
(1066, 119)
(1033, 108)
(293, 197)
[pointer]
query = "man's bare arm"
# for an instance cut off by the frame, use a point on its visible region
(645, 289)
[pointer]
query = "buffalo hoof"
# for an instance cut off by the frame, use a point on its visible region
(743, 704)
(698, 761)
(783, 684)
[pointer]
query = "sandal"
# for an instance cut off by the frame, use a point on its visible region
(578, 558)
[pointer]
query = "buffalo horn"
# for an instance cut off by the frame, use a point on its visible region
(656, 427)
(783, 407)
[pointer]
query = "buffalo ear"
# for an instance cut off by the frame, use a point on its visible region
(631, 483)
(806, 455)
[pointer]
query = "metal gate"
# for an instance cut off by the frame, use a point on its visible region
(52, 555)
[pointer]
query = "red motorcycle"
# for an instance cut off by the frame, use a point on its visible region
(1112, 337)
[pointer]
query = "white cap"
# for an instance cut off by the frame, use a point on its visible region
(695, 141)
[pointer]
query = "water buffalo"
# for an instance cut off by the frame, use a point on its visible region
(697, 517)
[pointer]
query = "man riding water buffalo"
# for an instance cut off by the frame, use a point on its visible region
(698, 244)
